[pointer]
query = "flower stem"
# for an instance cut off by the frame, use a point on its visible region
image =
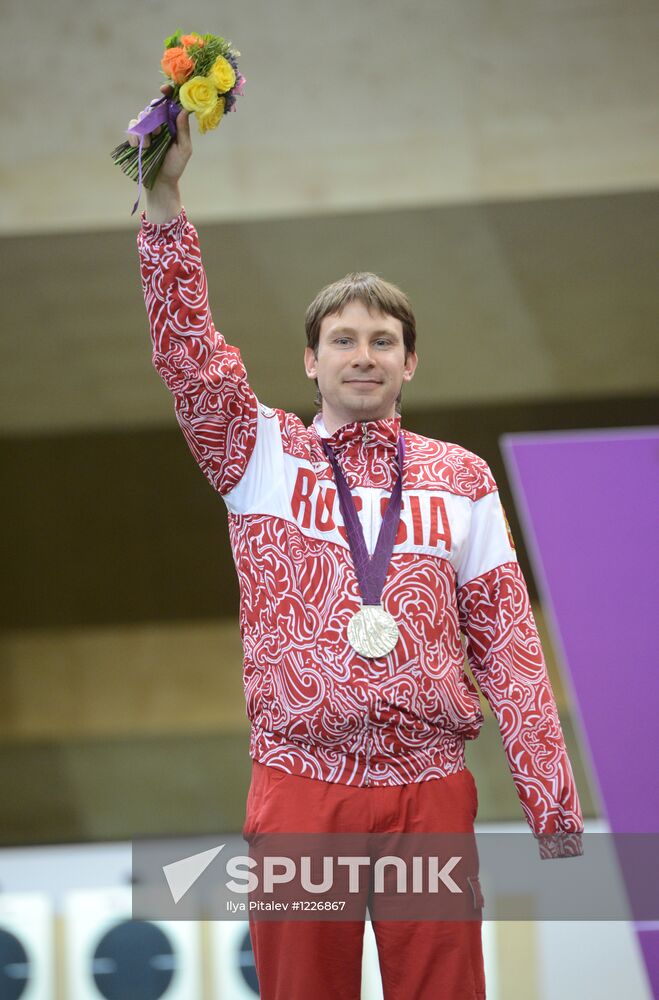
(127, 157)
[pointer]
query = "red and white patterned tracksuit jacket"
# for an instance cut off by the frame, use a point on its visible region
(318, 708)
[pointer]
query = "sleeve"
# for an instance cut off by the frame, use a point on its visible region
(214, 404)
(506, 658)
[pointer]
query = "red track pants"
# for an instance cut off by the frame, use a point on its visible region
(322, 959)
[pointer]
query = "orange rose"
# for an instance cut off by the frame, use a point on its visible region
(192, 39)
(177, 64)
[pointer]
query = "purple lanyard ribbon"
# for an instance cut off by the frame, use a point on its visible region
(160, 111)
(371, 571)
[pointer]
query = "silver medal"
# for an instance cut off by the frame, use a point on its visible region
(372, 631)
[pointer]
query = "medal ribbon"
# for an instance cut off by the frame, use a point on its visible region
(371, 571)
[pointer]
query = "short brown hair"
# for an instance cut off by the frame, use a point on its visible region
(375, 293)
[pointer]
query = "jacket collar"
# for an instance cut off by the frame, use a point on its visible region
(381, 433)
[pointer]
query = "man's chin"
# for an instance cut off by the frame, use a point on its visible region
(366, 410)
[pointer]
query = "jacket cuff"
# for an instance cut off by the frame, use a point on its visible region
(162, 232)
(561, 844)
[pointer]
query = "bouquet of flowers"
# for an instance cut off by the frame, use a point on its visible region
(202, 71)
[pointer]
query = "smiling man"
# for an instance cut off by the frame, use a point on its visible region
(361, 335)
(366, 556)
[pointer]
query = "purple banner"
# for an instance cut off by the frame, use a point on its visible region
(588, 503)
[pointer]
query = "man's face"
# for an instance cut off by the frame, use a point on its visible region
(360, 366)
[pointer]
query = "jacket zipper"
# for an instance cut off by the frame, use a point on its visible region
(368, 749)
(367, 779)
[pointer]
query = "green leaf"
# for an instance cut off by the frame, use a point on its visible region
(173, 40)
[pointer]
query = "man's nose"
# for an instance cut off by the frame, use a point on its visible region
(362, 355)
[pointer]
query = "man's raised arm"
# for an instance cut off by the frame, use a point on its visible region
(215, 406)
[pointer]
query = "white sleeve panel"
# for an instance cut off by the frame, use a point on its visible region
(488, 544)
(263, 484)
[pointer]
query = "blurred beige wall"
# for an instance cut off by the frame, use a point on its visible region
(137, 679)
(347, 106)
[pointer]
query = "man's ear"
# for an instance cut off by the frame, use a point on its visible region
(410, 367)
(310, 364)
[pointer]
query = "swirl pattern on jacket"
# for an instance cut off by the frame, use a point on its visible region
(317, 707)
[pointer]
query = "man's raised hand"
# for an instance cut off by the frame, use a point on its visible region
(163, 201)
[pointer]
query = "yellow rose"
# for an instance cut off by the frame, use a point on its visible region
(222, 74)
(198, 94)
(211, 119)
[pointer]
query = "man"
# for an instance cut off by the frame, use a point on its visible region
(353, 668)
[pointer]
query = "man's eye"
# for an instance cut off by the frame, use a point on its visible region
(346, 340)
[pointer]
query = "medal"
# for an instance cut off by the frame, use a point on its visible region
(372, 631)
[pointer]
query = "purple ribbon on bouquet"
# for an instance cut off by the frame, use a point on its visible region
(160, 111)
